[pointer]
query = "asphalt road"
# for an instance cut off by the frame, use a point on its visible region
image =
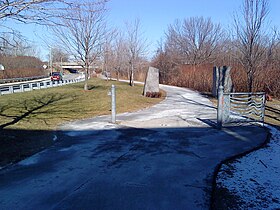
(157, 158)
(70, 76)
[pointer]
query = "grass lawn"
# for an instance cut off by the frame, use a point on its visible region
(27, 120)
(272, 113)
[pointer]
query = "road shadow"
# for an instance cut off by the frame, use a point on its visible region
(181, 160)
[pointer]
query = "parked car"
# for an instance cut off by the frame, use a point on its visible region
(56, 76)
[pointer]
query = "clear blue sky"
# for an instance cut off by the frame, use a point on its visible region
(156, 15)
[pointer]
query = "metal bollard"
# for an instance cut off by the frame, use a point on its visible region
(113, 95)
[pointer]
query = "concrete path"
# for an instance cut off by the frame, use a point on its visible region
(158, 158)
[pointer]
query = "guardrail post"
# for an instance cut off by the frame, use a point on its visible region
(220, 107)
(21, 88)
(11, 89)
(113, 109)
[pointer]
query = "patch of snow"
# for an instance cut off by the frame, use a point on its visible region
(54, 137)
(65, 149)
(29, 161)
(83, 129)
(255, 177)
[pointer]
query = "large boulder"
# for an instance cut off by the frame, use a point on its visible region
(151, 87)
(221, 76)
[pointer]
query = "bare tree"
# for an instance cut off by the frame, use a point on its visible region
(43, 12)
(108, 54)
(14, 44)
(136, 46)
(120, 55)
(83, 33)
(59, 55)
(252, 40)
(194, 40)
(25, 10)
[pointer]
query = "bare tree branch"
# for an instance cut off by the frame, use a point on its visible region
(137, 46)
(252, 42)
(194, 40)
(83, 32)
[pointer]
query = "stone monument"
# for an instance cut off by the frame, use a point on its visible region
(151, 87)
(221, 76)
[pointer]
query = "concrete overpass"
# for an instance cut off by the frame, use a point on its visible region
(73, 65)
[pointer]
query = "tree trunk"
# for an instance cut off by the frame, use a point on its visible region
(118, 74)
(250, 81)
(132, 75)
(86, 77)
(130, 78)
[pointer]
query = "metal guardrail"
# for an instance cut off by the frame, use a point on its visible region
(37, 85)
(3, 81)
(240, 107)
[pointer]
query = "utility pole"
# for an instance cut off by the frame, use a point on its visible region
(50, 61)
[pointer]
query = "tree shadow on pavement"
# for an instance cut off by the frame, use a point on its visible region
(179, 159)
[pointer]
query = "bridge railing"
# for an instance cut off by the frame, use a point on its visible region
(35, 85)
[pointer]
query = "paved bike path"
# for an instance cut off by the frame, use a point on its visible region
(162, 157)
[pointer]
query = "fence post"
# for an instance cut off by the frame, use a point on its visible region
(113, 109)
(263, 108)
(220, 107)
(226, 108)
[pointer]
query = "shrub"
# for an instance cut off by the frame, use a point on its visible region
(154, 94)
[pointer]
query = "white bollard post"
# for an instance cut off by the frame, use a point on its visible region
(113, 94)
